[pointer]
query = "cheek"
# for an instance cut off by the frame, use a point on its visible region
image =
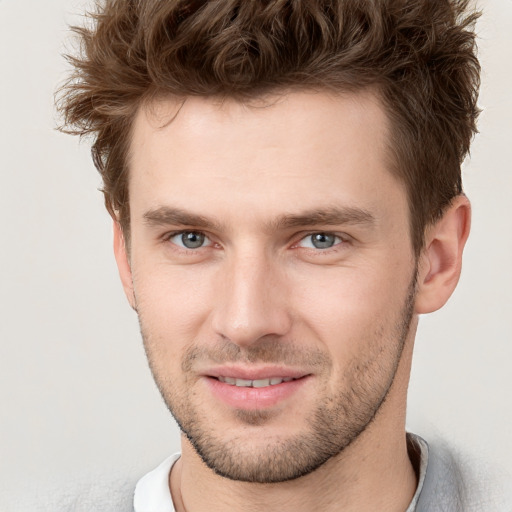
(173, 302)
(348, 309)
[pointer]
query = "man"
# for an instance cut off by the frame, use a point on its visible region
(284, 179)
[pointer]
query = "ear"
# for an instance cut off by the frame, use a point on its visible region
(123, 263)
(440, 262)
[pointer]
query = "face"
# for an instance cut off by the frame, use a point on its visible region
(273, 274)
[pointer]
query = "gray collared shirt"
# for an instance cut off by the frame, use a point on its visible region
(440, 482)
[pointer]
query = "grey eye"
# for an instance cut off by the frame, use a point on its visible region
(189, 239)
(323, 240)
(320, 241)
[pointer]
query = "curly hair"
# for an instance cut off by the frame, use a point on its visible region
(419, 55)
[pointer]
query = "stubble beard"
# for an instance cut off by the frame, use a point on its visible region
(338, 419)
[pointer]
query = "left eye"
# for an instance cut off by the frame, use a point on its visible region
(190, 239)
(320, 241)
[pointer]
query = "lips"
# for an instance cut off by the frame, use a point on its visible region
(255, 389)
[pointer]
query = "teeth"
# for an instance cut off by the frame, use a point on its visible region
(262, 383)
(259, 383)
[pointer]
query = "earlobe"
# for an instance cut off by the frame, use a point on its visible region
(441, 259)
(123, 263)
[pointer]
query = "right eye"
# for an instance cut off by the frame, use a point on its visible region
(190, 240)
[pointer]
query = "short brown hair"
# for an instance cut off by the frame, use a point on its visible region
(419, 55)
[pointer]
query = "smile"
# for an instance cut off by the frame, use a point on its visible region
(258, 383)
(239, 391)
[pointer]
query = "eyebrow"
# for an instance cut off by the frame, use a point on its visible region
(166, 216)
(331, 216)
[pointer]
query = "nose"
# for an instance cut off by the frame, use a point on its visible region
(252, 301)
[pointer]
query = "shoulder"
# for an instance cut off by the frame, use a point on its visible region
(455, 482)
(443, 483)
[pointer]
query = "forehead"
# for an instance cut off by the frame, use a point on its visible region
(276, 153)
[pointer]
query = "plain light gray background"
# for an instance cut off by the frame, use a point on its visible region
(78, 404)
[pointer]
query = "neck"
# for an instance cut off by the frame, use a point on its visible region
(381, 482)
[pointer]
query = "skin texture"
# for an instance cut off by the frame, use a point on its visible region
(249, 185)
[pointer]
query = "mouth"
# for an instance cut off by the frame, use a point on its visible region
(255, 390)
